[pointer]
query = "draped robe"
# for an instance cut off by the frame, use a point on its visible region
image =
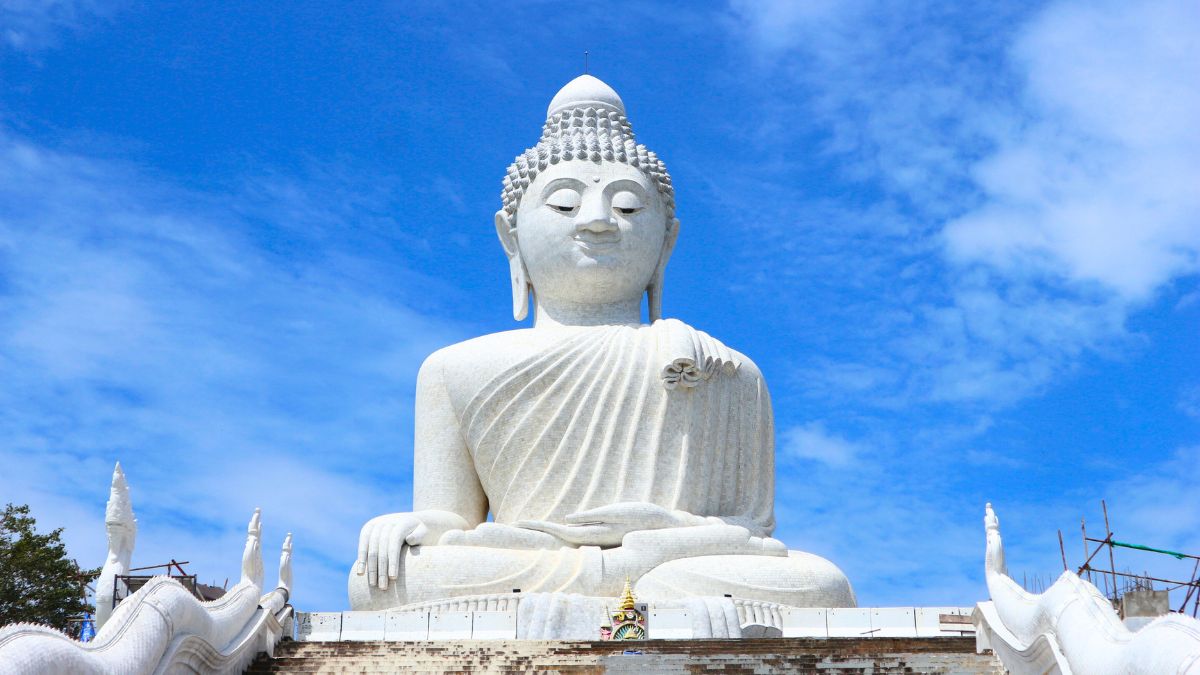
(661, 413)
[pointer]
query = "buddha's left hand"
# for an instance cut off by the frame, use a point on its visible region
(608, 525)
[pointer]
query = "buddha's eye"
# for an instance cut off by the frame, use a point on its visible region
(564, 201)
(626, 203)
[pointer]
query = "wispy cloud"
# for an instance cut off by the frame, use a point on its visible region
(897, 537)
(30, 25)
(1189, 402)
(160, 326)
(951, 210)
(1098, 186)
(814, 443)
(1032, 185)
(1022, 188)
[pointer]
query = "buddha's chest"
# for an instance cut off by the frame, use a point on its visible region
(491, 362)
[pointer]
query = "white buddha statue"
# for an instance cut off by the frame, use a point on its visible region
(603, 448)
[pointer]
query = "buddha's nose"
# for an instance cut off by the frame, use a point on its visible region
(593, 217)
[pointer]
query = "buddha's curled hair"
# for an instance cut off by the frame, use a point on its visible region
(585, 134)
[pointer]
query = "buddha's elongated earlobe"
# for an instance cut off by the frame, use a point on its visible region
(654, 291)
(520, 288)
(516, 267)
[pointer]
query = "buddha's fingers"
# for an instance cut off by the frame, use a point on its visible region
(633, 516)
(384, 540)
(581, 535)
(364, 537)
(693, 541)
(373, 555)
(395, 549)
(541, 526)
(417, 536)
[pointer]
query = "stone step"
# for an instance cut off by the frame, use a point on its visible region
(833, 656)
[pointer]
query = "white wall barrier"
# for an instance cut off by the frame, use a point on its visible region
(665, 623)
(450, 626)
(363, 626)
(494, 625)
(400, 626)
(669, 624)
(319, 626)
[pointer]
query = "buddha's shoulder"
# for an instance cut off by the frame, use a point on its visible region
(489, 355)
(483, 354)
(747, 370)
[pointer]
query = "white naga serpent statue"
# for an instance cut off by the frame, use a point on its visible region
(163, 628)
(1072, 627)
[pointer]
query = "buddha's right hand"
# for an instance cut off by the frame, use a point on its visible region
(381, 541)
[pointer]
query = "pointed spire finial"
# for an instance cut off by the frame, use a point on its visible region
(285, 564)
(627, 599)
(252, 565)
(119, 510)
(120, 527)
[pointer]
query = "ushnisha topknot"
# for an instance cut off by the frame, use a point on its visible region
(586, 121)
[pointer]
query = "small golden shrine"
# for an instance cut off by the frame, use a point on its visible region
(628, 623)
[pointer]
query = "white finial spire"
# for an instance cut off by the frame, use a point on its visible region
(119, 511)
(252, 565)
(120, 525)
(285, 564)
(586, 91)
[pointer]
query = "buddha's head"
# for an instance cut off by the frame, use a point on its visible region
(588, 215)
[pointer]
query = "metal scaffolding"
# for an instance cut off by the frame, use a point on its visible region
(1108, 577)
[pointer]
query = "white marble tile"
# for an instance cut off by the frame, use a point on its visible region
(403, 626)
(363, 626)
(450, 626)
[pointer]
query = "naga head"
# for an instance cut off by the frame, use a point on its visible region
(119, 523)
(252, 565)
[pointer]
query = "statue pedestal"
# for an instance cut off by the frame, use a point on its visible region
(567, 616)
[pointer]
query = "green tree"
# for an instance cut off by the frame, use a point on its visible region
(38, 582)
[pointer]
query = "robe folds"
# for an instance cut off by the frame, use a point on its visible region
(662, 413)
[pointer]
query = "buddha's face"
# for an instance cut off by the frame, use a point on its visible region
(591, 233)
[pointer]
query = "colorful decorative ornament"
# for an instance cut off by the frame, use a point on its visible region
(627, 622)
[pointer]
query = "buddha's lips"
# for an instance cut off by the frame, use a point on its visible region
(597, 239)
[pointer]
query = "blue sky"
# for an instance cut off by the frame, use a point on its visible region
(962, 244)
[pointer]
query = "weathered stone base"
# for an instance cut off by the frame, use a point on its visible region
(878, 656)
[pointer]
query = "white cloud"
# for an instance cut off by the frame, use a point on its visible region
(1189, 402)
(1032, 173)
(876, 522)
(1010, 185)
(1100, 185)
(29, 25)
(162, 327)
(776, 25)
(813, 442)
